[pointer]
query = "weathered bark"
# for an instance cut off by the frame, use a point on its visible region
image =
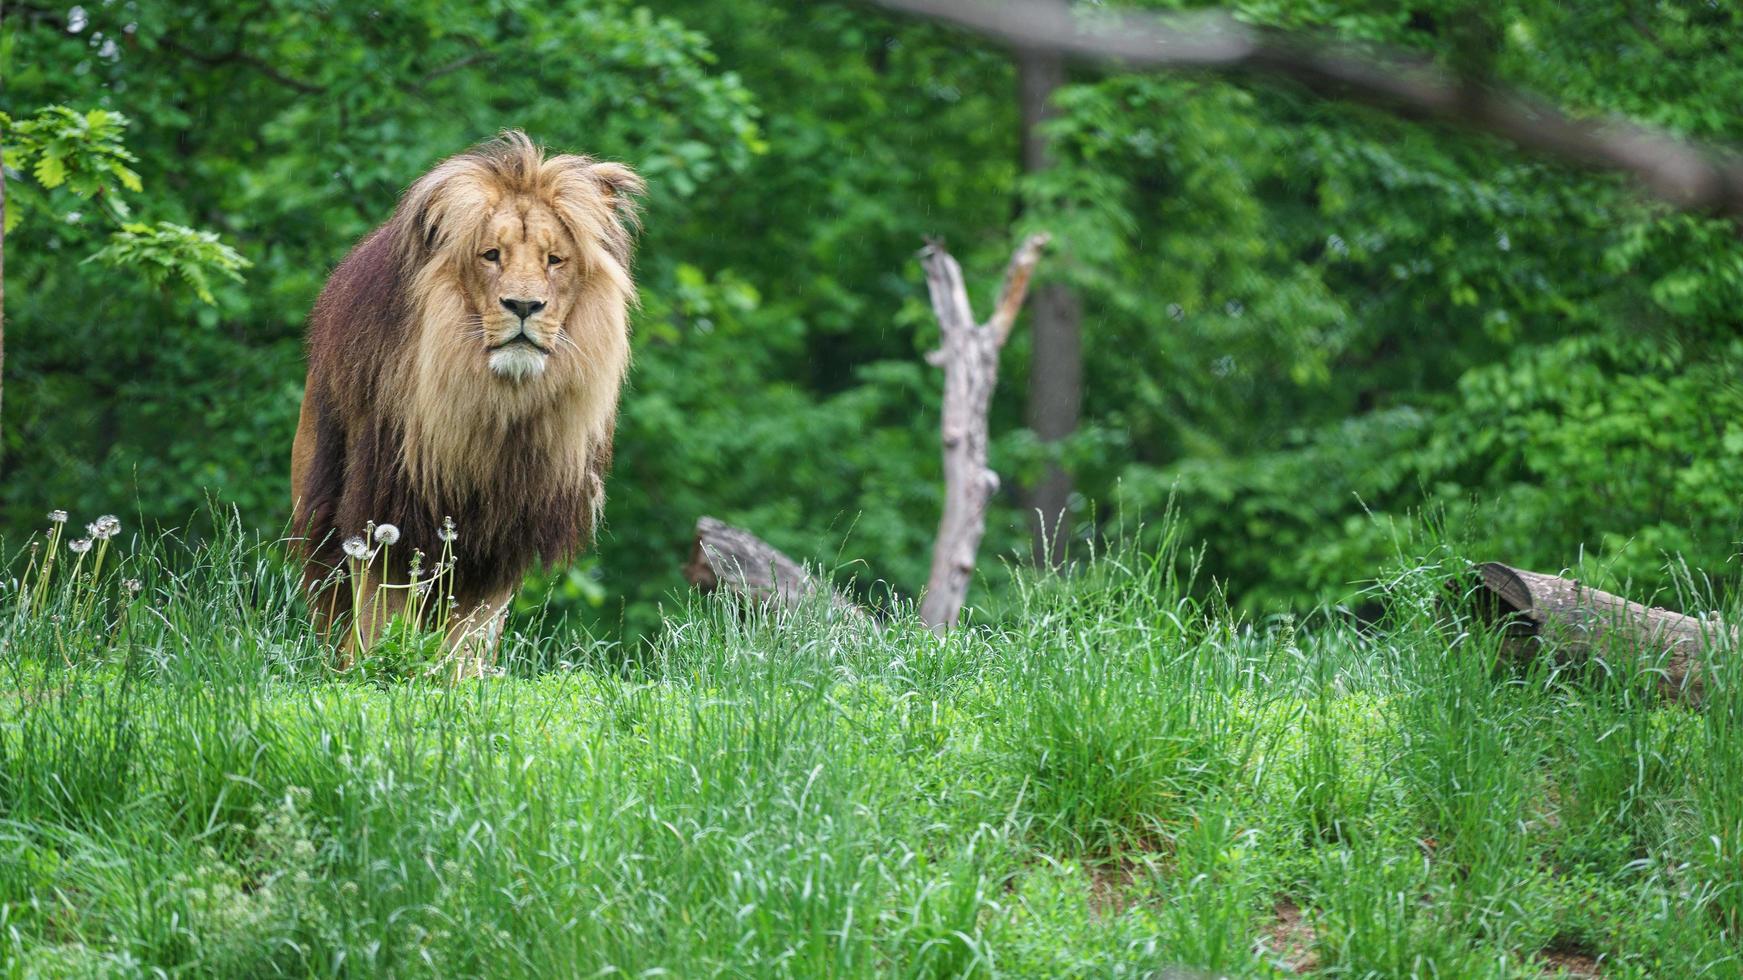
(969, 354)
(731, 558)
(1546, 614)
(1056, 367)
(1688, 175)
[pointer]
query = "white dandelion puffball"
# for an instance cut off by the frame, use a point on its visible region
(80, 545)
(58, 516)
(447, 533)
(356, 547)
(106, 527)
(387, 534)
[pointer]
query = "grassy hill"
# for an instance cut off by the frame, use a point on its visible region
(1108, 779)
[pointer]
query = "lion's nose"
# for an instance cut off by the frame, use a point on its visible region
(523, 308)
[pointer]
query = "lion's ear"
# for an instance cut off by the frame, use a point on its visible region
(622, 185)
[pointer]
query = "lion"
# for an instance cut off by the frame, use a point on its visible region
(465, 362)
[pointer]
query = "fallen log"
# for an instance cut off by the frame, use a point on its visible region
(731, 558)
(1575, 623)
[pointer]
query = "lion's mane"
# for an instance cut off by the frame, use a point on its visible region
(401, 422)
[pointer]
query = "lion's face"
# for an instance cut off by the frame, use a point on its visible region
(522, 270)
(522, 283)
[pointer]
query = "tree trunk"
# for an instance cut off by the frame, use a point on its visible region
(969, 354)
(2, 317)
(731, 558)
(1056, 368)
(1573, 623)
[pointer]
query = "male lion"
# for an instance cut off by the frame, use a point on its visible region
(464, 364)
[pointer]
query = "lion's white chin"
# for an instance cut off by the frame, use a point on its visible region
(517, 363)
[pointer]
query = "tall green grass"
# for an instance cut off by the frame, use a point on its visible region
(1113, 777)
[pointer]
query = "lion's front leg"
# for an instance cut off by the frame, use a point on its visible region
(473, 636)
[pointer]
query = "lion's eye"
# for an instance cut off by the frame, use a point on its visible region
(491, 255)
(554, 259)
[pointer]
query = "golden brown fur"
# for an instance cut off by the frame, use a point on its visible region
(465, 361)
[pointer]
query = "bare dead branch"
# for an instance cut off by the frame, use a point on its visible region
(1016, 286)
(1688, 175)
(969, 354)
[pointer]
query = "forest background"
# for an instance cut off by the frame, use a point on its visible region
(1311, 325)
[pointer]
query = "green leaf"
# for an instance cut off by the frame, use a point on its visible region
(50, 171)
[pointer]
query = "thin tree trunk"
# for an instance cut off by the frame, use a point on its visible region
(969, 354)
(2, 317)
(1056, 368)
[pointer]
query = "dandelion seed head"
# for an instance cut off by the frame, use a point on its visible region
(356, 547)
(447, 533)
(387, 534)
(79, 545)
(133, 586)
(57, 516)
(106, 527)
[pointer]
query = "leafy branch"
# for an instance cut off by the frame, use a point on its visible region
(82, 153)
(167, 250)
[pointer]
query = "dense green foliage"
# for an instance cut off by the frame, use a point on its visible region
(1120, 781)
(1304, 321)
(83, 154)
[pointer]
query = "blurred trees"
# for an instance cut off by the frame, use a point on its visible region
(1301, 321)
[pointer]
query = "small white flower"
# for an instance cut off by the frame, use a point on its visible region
(387, 534)
(80, 545)
(356, 548)
(58, 516)
(133, 586)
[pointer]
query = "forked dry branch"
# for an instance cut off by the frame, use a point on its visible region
(969, 354)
